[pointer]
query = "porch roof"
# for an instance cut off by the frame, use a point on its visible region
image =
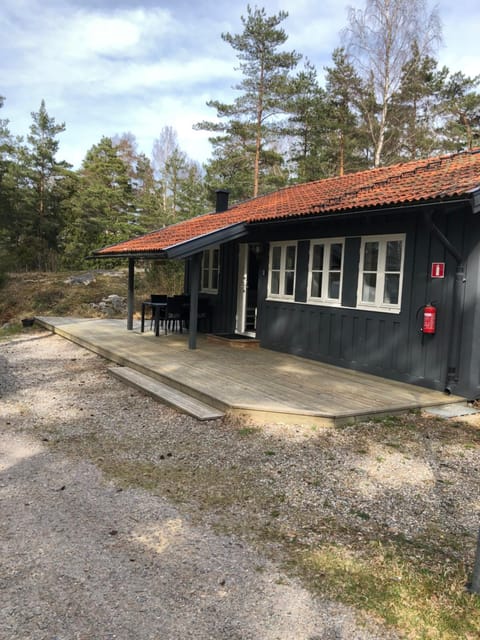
(431, 180)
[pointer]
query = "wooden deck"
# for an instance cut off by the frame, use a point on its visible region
(263, 384)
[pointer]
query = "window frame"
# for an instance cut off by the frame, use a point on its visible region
(324, 299)
(281, 295)
(378, 304)
(210, 270)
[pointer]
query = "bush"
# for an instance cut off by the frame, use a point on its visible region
(165, 277)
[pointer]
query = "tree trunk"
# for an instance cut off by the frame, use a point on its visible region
(258, 136)
(341, 169)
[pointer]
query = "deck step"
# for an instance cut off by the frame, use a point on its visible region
(166, 394)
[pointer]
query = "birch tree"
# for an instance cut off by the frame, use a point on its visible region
(179, 179)
(379, 40)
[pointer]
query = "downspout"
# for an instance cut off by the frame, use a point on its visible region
(457, 300)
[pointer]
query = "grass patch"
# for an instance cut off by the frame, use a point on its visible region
(424, 600)
(338, 549)
(248, 431)
(12, 329)
(36, 293)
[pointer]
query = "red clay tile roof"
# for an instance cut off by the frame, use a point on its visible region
(431, 179)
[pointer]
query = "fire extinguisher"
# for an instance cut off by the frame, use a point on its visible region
(429, 319)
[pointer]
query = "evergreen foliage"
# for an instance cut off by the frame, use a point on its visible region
(179, 180)
(382, 99)
(251, 122)
(460, 109)
(101, 209)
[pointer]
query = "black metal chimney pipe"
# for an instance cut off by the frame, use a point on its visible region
(221, 203)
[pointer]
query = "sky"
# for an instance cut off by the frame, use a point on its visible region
(107, 67)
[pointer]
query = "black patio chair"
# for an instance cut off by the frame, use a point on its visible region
(159, 298)
(204, 314)
(174, 313)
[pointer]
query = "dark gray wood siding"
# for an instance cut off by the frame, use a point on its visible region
(386, 344)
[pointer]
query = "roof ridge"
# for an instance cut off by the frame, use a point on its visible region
(424, 162)
(420, 164)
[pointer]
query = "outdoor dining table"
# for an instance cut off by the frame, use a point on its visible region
(156, 308)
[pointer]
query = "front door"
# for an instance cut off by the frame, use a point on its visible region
(246, 323)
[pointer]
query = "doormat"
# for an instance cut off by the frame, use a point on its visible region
(234, 340)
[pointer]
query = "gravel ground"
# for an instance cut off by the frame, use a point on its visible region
(84, 557)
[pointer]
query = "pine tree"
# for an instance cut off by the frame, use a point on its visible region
(8, 196)
(305, 128)
(102, 209)
(460, 112)
(253, 116)
(346, 132)
(415, 108)
(45, 177)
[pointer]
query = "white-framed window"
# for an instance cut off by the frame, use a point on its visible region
(325, 273)
(281, 276)
(210, 270)
(381, 272)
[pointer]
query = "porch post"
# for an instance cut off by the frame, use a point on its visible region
(131, 293)
(195, 264)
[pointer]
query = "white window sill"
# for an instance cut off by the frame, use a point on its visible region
(325, 303)
(369, 307)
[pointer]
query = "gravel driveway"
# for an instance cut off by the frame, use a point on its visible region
(84, 559)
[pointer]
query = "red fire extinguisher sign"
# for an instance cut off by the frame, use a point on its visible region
(438, 270)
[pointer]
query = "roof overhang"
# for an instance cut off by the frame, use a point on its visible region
(200, 243)
(475, 200)
(183, 249)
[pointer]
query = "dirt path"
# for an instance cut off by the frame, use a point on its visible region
(82, 559)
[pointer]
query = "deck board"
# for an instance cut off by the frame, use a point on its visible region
(258, 382)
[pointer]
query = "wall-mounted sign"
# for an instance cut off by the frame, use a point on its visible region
(438, 269)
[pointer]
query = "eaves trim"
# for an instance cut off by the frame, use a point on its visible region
(200, 243)
(365, 211)
(183, 249)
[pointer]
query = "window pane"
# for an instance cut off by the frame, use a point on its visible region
(206, 259)
(317, 260)
(392, 288)
(276, 257)
(316, 289)
(205, 280)
(336, 256)
(334, 285)
(215, 279)
(394, 255)
(289, 283)
(290, 257)
(369, 287)
(215, 253)
(275, 282)
(370, 256)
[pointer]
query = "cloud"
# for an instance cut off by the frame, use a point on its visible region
(110, 66)
(123, 33)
